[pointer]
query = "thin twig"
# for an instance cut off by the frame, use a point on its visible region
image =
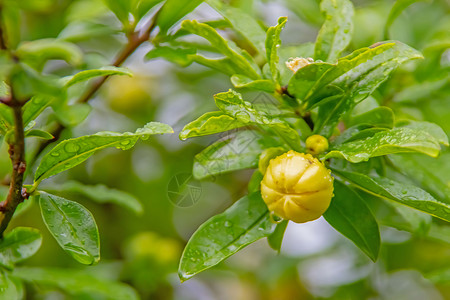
(16, 194)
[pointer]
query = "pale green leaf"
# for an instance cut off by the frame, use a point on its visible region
(173, 10)
(241, 81)
(18, 245)
(273, 42)
(88, 74)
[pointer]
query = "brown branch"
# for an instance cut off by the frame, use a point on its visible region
(16, 193)
(135, 39)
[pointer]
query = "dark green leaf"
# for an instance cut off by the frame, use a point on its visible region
(276, 238)
(349, 215)
(225, 234)
(73, 227)
(72, 152)
(18, 245)
(273, 42)
(210, 123)
(77, 283)
(336, 31)
(406, 194)
(98, 193)
(396, 140)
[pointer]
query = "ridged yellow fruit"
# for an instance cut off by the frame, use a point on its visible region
(297, 187)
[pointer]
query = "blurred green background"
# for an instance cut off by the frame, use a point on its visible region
(315, 261)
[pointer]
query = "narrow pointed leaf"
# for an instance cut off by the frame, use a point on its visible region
(273, 42)
(225, 234)
(276, 238)
(173, 10)
(89, 74)
(72, 226)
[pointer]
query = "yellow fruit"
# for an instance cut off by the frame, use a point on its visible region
(297, 187)
(316, 144)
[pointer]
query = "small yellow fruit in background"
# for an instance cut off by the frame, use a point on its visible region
(316, 144)
(297, 187)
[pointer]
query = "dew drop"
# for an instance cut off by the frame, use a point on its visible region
(55, 154)
(228, 224)
(274, 218)
(71, 147)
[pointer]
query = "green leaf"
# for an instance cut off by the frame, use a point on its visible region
(99, 193)
(39, 134)
(225, 234)
(11, 21)
(273, 42)
(396, 140)
(276, 238)
(396, 10)
(121, 8)
(10, 288)
(336, 31)
(76, 282)
(72, 152)
(379, 117)
(242, 22)
(38, 52)
(232, 104)
(420, 222)
(432, 129)
(144, 6)
(73, 227)
(357, 132)
(349, 215)
(358, 73)
(241, 81)
(237, 151)
(88, 74)
(173, 10)
(72, 115)
(430, 173)
(210, 123)
(239, 62)
(5, 118)
(406, 194)
(33, 108)
(180, 56)
(18, 245)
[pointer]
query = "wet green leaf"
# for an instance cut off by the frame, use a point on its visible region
(72, 152)
(406, 194)
(210, 123)
(396, 140)
(225, 234)
(273, 42)
(73, 227)
(18, 245)
(336, 31)
(378, 117)
(276, 238)
(349, 215)
(33, 108)
(241, 81)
